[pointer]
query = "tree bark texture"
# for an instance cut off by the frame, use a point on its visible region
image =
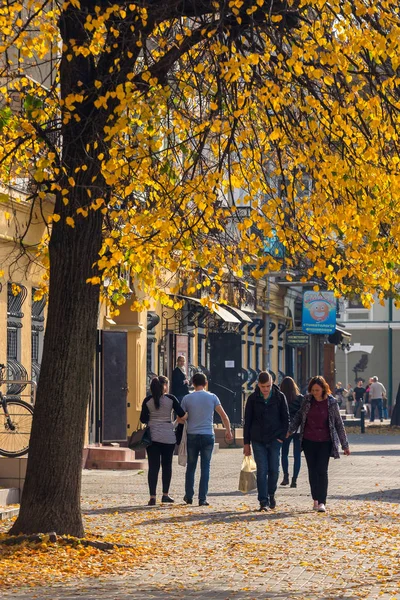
(51, 495)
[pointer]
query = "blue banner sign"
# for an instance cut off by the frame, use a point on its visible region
(319, 312)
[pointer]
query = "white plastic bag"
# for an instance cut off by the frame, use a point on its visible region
(182, 452)
(248, 478)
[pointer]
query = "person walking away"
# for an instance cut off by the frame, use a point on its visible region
(266, 422)
(321, 429)
(376, 393)
(200, 406)
(157, 412)
(179, 380)
(294, 399)
(359, 395)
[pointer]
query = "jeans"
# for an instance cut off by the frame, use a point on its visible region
(160, 453)
(296, 455)
(203, 445)
(376, 403)
(317, 456)
(267, 461)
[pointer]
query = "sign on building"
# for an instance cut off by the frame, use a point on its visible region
(297, 338)
(319, 312)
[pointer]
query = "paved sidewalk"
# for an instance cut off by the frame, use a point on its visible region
(231, 552)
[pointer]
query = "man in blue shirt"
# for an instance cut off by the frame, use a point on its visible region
(200, 406)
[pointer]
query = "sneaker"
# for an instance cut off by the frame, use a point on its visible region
(272, 502)
(151, 502)
(285, 480)
(167, 498)
(321, 507)
(203, 503)
(294, 483)
(315, 507)
(188, 500)
(263, 506)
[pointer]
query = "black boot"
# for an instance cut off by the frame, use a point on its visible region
(272, 502)
(294, 483)
(285, 480)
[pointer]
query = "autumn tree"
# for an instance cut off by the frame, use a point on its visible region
(160, 117)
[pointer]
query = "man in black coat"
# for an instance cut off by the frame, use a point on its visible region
(266, 423)
(180, 382)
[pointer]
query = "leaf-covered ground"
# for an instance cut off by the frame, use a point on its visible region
(229, 550)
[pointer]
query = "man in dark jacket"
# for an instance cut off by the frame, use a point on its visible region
(266, 422)
(180, 382)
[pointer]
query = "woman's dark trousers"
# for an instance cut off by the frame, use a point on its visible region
(159, 453)
(317, 456)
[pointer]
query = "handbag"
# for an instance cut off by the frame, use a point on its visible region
(140, 438)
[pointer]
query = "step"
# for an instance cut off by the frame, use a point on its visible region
(9, 496)
(8, 512)
(110, 453)
(116, 465)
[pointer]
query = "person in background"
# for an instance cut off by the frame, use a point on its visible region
(179, 381)
(385, 407)
(348, 396)
(266, 421)
(294, 399)
(157, 413)
(359, 395)
(376, 393)
(339, 393)
(200, 406)
(321, 429)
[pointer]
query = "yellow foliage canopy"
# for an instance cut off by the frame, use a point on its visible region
(221, 138)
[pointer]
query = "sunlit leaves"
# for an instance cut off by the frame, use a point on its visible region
(250, 133)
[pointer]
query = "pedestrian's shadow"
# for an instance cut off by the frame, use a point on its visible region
(392, 496)
(208, 517)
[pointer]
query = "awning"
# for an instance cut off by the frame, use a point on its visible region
(343, 332)
(224, 314)
(219, 310)
(240, 313)
(340, 336)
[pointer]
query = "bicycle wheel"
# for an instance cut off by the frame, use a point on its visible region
(14, 441)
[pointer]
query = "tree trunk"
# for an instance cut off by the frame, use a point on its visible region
(51, 495)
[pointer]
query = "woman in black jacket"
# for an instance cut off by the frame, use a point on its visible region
(294, 400)
(266, 422)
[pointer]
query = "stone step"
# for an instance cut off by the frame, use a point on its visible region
(116, 465)
(9, 496)
(220, 438)
(8, 512)
(110, 453)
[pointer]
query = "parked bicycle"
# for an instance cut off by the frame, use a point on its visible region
(15, 423)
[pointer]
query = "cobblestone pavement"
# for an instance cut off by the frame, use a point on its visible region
(228, 551)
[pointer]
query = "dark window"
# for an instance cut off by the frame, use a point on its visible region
(355, 303)
(12, 343)
(35, 346)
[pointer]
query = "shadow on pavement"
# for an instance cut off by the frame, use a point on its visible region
(392, 496)
(130, 590)
(381, 452)
(210, 515)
